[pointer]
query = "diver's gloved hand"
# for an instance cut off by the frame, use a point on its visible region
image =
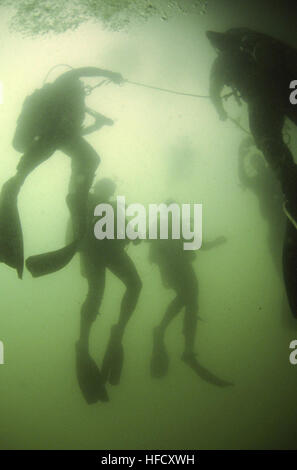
(116, 77)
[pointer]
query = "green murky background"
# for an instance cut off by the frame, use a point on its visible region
(161, 146)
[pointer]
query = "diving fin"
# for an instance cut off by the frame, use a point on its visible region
(159, 360)
(11, 235)
(113, 359)
(47, 263)
(204, 373)
(89, 377)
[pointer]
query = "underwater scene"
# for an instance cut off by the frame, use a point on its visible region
(148, 224)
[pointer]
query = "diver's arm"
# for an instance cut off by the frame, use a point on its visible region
(208, 245)
(92, 72)
(100, 121)
(216, 86)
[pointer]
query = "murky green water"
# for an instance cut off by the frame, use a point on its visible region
(161, 146)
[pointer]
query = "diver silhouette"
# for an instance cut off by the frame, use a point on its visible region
(177, 273)
(52, 119)
(96, 257)
(259, 69)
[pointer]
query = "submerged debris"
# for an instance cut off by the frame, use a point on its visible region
(37, 17)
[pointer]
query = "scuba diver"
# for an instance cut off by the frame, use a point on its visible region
(96, 257)
(259, 69)
(178, 274)
(254, 174)
(52, 119)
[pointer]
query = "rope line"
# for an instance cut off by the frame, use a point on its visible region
(193, 95)
(89, 90)
(166, 90)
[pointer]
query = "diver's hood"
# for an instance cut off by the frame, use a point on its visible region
(221, 41)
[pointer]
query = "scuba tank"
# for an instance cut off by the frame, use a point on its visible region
(55, 111)
(268, 52)
(32, 118)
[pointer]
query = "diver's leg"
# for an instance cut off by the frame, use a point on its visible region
(90, 308)
(160, 359)
(173, 309)
(88, 373)
(85, 161)
(189, 293)
(190, 328)
(121, 265)
(39, 152)
(11, 238)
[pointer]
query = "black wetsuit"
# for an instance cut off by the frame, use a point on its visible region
(268, 105)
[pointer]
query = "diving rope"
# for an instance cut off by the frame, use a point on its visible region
(174, 92)
(166, 90)
(89, 89)
(193, 95)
